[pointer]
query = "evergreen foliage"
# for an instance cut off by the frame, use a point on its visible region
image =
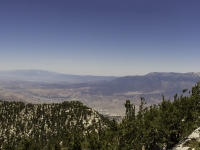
(50, 126)
(161, 125)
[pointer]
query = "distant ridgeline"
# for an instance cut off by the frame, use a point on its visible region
(74, 126)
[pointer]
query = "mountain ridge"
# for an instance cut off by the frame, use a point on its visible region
(35, 75)
(48, 76)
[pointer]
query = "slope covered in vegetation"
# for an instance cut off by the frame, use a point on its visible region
(47, 126)
(73, 126)
(161, 125)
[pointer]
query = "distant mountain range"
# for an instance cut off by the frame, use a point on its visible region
(46, 76)
(152, 83)
(155, 81)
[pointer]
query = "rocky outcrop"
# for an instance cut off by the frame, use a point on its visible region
(193, 136)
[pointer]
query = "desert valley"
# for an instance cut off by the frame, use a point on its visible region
(104, 94)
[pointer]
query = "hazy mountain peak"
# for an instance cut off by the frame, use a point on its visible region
(197, 73)
(162, 73)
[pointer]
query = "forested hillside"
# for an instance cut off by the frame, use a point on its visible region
(161, 125)
(73, 126)
(49, 126)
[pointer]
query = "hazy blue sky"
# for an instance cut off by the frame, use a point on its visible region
(100, 37)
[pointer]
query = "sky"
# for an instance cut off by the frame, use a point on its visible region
(100, 37)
